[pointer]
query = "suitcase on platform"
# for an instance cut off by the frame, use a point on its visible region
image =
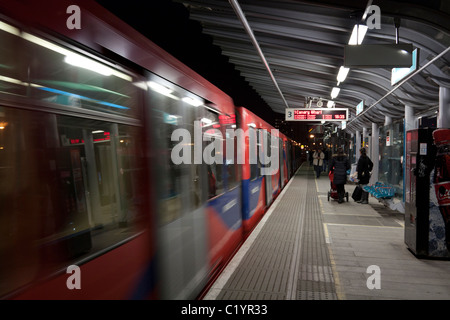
(357, 193)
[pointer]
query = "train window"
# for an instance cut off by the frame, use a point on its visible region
(214, 133)
(227, 126)
(232, 166)
(268, 148)
(36, 68)
(69, 189)
(254, 167)
(179, 190)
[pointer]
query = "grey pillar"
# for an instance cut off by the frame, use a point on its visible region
(387, 120)
(375, 147)
(364, 136)
(444, 108)
(357, 144)
(367, 142)
(410, 121)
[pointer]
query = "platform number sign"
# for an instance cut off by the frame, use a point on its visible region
(290, 115)
(317, 114)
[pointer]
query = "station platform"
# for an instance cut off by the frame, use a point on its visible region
(309, 248)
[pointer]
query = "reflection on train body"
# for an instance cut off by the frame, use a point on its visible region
(69, 184)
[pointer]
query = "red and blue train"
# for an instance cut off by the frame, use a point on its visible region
(88, 135)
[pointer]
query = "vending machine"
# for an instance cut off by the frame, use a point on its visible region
(427, 192)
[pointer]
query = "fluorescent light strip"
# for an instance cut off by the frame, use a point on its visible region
(362, 29)
(159, 88)
(141, 84)
(16, 81)
(9, 28)
(342, 75)
(90, 64)
(76, 59)
(162, 89)
(29, 37)
(192, 101)
(12, 80)
(45, 44)
(85, 63)
(335, 92)
(366, 12)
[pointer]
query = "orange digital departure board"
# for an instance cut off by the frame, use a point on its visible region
(318, 114)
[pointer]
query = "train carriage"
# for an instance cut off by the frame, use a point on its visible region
(258, 188)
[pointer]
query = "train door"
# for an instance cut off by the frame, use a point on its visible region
(264, 154)
(182, 189)
(288, 159)
(281, 163)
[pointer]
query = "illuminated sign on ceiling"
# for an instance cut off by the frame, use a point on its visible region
(318, 114)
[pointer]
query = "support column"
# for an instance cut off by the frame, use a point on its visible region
(444, 108)
(410, 122)
(366, 141)
(364, 136)
(387, 120)
(375, 147)
(357, 144)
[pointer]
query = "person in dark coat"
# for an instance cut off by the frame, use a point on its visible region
(339, 166)
(364, 167)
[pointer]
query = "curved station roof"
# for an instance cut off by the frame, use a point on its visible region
(291, 51)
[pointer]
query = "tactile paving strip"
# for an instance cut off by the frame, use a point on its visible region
(316, 281)
(289, 258)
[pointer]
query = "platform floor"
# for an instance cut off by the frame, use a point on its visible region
(309, 248)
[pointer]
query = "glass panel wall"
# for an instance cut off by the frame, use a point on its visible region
(391, 156)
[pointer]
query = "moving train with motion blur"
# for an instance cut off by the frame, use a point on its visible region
(93, 176)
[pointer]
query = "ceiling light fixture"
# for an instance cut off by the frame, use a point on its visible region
(343, 72)
(358, 33)
(335, 92)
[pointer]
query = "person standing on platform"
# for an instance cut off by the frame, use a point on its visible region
(339, 166)
(364, 167)
(318, 157)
